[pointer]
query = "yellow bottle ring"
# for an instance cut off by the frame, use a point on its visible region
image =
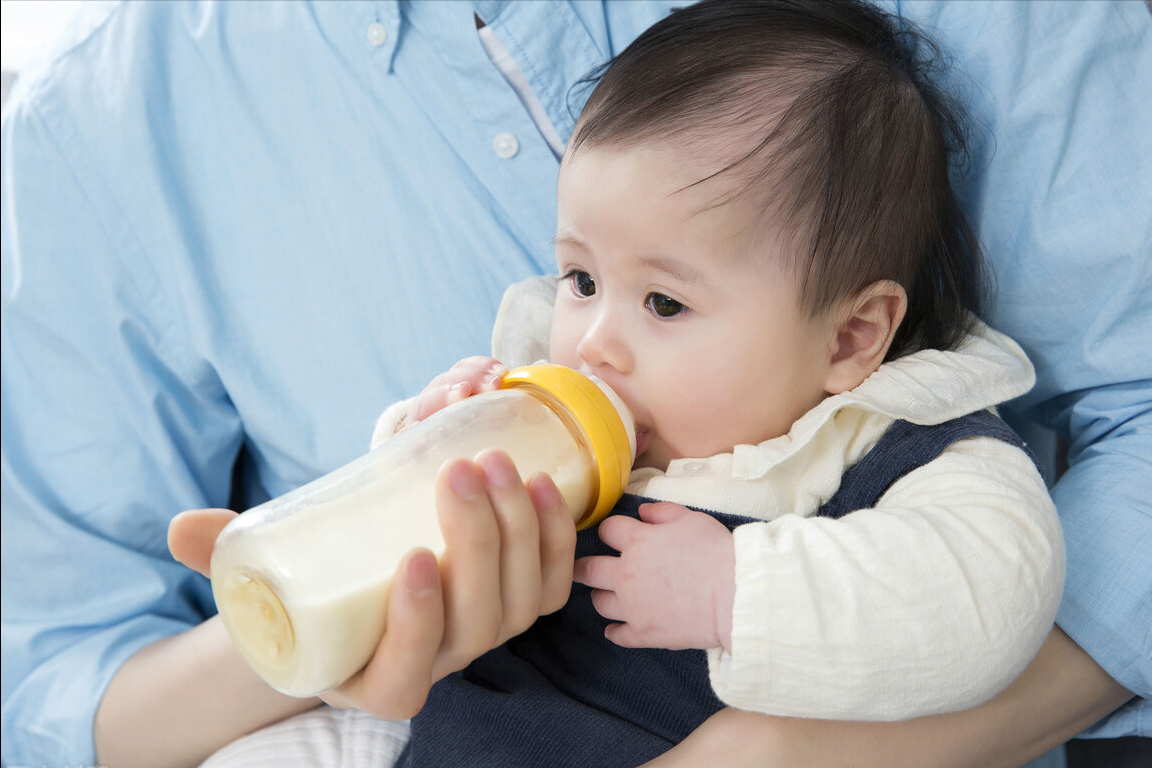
(595, 414)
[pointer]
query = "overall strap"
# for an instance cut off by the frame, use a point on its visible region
(905, 447)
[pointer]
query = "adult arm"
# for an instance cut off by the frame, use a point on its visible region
(179, 699)
(109, 425)
(508, 559)
(1103, 502)
(1058, 200)
(1054, 203)
(1061, 693)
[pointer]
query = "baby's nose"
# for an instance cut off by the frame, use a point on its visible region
(604, 346)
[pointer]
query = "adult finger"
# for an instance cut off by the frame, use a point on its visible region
(395, 683)
(470, 566)
(520, 580)
(192, 535)
(557, 542)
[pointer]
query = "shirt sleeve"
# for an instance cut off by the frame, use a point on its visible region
(110, 427)
(930, 602)
(1061, 203)
(1104, 508)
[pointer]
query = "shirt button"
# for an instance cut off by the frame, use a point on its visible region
(377, 34)
(505, 145)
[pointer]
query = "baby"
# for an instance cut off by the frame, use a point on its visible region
(760, 251)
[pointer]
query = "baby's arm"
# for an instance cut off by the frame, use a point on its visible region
(930, 602)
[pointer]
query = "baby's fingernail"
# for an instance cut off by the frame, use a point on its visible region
(456, 392)
(494, 377)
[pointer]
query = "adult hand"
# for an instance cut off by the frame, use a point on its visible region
(1062, 692)
(674, 583)
(507, 560)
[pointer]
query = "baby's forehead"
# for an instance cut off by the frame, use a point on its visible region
(708, 177)
(719, 159)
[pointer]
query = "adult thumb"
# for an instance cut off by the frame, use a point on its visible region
(193, 533)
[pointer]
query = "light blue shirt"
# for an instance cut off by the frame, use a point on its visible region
(247, 227)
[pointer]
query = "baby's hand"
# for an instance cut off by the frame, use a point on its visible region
(674, 583)
(470, 376)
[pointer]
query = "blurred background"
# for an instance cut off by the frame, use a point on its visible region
(25, 25)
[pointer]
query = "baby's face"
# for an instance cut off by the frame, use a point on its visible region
(678, 306)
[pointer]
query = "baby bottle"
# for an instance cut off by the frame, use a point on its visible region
(301, 582)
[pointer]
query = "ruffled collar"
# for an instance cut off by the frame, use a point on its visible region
(927, 387)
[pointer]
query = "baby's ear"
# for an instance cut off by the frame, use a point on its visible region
(864, 333)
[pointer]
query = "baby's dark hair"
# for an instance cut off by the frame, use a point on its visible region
(852, 143)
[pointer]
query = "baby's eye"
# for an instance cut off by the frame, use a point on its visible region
(663, 306)
(582, 283)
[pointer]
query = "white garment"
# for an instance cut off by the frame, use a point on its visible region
(933, 601)
(319, 738)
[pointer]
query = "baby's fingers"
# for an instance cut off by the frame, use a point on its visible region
(598, 572)
(435, 397)
(626, 636)
(470, 376)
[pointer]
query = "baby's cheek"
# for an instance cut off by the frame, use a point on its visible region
(561, 347)
(694, 427)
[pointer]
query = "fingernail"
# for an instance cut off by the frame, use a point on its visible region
(494, 378)
(464, 482)
(421, 574)
(545, 495)
(456, 392)
(498, 470)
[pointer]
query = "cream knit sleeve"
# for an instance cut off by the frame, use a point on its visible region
(931, 602)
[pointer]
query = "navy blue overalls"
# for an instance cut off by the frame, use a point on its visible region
(561, 694)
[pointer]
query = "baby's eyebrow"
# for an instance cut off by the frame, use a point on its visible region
(681, 270)
(565, 239)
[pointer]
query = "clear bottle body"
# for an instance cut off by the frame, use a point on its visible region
(301, 581)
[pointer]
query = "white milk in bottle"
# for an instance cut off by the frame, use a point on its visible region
(301, 582)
